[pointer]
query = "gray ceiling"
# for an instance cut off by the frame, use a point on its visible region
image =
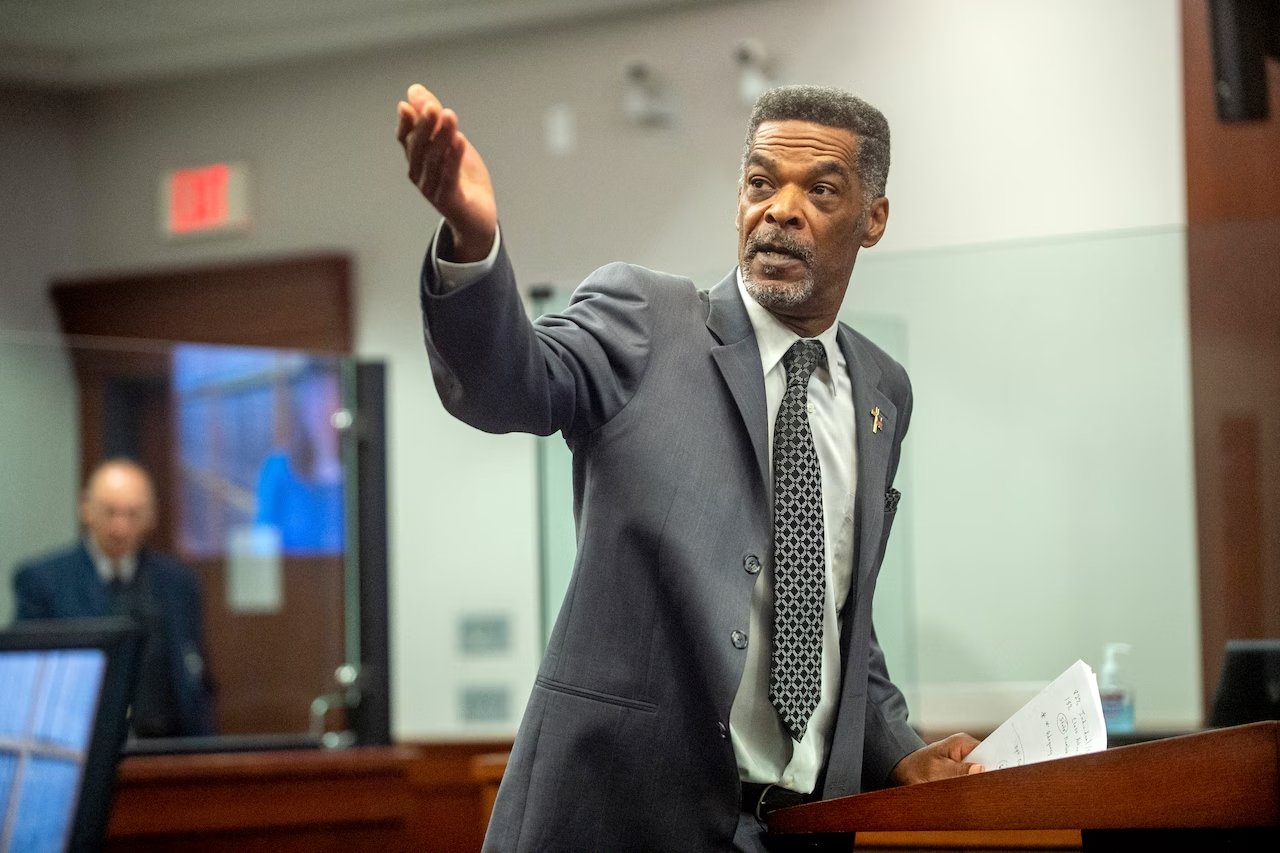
(84, 44)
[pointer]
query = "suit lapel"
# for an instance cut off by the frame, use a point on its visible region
(738, 358)
(844, 766)
(873, 448)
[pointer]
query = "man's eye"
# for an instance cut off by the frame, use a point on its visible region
(757, 183)
(823, 189)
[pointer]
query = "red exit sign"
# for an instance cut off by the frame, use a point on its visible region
(204, 199)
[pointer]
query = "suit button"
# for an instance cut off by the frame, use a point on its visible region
(720, 728)
(751, 563)
(739, 639)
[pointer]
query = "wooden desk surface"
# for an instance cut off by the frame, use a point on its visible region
(1226, 778)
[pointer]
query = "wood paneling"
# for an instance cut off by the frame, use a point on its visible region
(421, 797)
(449, 801)
(487, 770)
(1232, 171)
(265, 685)
(1015, 840)
(343, 800)
(1234, 304)
(1233, 281)
(1241, 547)
(301, 303)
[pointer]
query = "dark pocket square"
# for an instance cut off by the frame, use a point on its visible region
(891, 499)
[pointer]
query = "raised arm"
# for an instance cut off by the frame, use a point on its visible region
(493, 368)
(449, 172)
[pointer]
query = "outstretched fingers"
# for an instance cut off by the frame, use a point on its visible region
(406, 116)
(433, 152)
(418, 145)
(449, 166)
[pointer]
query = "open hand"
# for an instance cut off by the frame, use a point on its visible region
(449, 172)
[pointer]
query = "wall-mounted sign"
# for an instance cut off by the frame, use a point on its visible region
(205, 199)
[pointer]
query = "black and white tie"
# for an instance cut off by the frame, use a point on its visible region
(799, 585)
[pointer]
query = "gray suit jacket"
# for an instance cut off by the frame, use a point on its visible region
(657, 388)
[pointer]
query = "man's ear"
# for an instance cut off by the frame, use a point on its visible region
(877, 218)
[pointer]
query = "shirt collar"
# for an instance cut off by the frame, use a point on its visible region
(102, 563)
(774, 339)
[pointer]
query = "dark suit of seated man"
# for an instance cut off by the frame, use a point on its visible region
(108, 572)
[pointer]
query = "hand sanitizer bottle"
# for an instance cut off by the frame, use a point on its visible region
(1115, 690)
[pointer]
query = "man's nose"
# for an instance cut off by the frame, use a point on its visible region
(784, 209)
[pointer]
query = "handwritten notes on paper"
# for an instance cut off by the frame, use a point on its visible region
(1063, 719)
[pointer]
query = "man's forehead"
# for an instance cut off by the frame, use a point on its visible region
(794, 137)
(116, 483)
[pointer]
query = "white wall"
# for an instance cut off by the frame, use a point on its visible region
(1011, 120)
(38, 437)
(38, 216)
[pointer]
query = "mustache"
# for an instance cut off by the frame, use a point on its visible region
(781, 243)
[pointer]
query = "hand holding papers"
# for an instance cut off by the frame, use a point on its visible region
(1063, 719)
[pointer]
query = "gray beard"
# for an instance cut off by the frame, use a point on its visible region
(791, 294)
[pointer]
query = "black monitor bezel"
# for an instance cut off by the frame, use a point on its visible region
(1236, 687)
(120, 640)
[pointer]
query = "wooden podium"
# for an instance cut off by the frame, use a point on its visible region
(1215, 789)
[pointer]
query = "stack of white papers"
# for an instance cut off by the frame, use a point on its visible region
(1063, 719)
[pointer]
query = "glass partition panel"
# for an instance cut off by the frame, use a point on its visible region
(247, 579)
(557, 540)
(1050, 483)
(1048, 502)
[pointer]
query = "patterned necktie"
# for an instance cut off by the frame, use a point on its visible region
(799, 585)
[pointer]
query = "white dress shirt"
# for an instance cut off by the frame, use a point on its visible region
(108, 569)
(453, 275)
(764, 748)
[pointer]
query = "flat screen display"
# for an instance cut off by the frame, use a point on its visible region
(259, 450)
(64, 703)
(48, 706)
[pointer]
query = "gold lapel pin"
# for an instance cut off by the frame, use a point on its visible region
(877, 420)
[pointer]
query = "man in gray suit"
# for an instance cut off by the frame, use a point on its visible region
(733, 460)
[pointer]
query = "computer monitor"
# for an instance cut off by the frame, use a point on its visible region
(1249, 689)
(64, 699)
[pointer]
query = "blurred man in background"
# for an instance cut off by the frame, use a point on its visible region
(109, 572)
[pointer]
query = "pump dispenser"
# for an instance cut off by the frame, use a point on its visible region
(1115, 689)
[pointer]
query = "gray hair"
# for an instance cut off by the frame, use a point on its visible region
(831, 108)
